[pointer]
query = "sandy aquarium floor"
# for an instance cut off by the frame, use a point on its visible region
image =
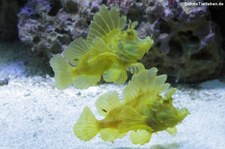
(35, 115)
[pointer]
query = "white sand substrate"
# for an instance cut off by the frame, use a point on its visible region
(36, 115)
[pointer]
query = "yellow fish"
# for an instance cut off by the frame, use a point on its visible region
(108, 51)
(146, 108)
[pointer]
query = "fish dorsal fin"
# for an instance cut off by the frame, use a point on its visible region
(105, 22)
(145, 82)
(107, 102)
(110, 134)
(140, 137)
(130, 92)
(76, 50)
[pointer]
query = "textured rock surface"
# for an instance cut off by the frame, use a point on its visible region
(49, 26)
(188, 46)
(218, 17)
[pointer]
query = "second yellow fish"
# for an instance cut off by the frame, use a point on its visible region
(144, 110)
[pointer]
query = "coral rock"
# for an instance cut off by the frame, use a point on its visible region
(48, 26)
(188, 45)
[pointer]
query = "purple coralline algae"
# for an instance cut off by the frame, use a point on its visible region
(188, 45)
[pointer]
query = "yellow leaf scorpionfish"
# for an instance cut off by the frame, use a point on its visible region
(144, 110)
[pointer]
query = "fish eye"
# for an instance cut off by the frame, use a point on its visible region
(129, 33)
(165, 101)
(104, 110)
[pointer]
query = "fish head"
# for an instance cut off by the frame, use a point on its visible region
(131, 46)
(166, 115)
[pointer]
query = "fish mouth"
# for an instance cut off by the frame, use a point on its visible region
(145, 44)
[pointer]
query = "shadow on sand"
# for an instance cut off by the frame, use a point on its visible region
(156, 146)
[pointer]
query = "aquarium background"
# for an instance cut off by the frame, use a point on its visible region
(189, 48)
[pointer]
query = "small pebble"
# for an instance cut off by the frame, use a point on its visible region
(4, 81)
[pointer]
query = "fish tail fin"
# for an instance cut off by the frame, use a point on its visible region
(64, 73)
(86, 127)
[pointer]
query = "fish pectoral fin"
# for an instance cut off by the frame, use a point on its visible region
(172, 131)
(86, 127)
(107, 102)
(75, 50)
(85, 81)
(107, 56)
(110, 134)
(135, 68)
(140, 136)
(64, 73)
(118, 76)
